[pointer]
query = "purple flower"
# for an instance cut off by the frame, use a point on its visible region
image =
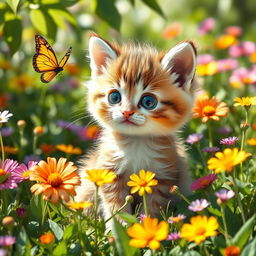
(206, 26)
(3, 252)
(7, 179)
(142, 217)
(225, 130)
(22, 171)
(6, 131)
(21, 212)
(7, 240)
(223, 195)
(173, 236)
(176, 219)
(198, 205)
(229, 141)
(194, 138)
(69, 126)
(211, 149)
(35, 158)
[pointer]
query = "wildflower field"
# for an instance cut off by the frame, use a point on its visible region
(45, 129)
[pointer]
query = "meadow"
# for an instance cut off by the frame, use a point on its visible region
(45, 129)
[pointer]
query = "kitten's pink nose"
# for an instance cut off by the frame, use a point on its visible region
(128, 113)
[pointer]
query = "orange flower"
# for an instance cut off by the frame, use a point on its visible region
(73, 69)
(172, 31)
(4, 98)
(209, 109)
(252, 141)
(47, 148)
(69, 149)
(46, 238)
(252, 57)
(10, 150)
(55, 179)
(232, 251)
(21, 82)
(225, 41)
(38, 130)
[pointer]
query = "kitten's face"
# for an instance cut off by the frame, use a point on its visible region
(134, 94)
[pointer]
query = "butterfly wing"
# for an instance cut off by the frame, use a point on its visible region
(65, 58)
(47, 77)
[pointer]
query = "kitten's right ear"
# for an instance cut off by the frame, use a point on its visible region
(99, 52)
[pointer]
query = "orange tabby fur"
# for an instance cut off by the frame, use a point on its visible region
(147, 142)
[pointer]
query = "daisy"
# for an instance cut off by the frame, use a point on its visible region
(198, 205)
(194, 138)
(22, 172)
(229, 141)
(224, 195)
(4, 116)
(100, 176)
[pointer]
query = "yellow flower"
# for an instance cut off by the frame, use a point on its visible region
(245, 101)
(21, 82)
(79, 205)
(252, 57)
(252, 141)
(149, 233)
(226, 160)
(199, 228)
(69, 149)
(209, 108)
(208, 69)
(142, 182)
(224, 41)
(100, 177)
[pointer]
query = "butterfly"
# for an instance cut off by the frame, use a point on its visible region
(45, 61)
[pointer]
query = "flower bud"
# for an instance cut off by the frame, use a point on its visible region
(8, 222)
(174, 189)
(244, 126)
(21, 212)
(38, 130)
(111, 240)
(21, 124)
(129, 199)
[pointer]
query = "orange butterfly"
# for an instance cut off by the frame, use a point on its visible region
(45, 61)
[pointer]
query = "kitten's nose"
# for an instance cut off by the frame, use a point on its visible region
(127, 113)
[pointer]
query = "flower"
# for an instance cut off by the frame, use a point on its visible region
(207, 109)
(211, 149)
(79, 205)
(47, 148)
(35, 158)
(234, 31)
(173, 236)
(3, 252)
(7, 240)
(38, 130)
(10, 150)
(100, 176)
(204, 59)
(22, 172)
(148, 233)
(176, 219)
(142, 182)
(206, 26)
(224, 41)
(225, 130)
(245, 101)
(241, 76)
(226, 64)
(7, 179)
(251, 141)
(229, 141)
(56, 179)
(198, 205)
(223, 195)
(226, 160)
(4, 116)
(194, 138)
(232, 250)
(73, 69)
(199, 228)
(46, 238)
(69, 149)
(21, 212)
(172, 31)
(207, 69)
(4, 98)
(90, 132)
(6, 131)
(203, 182)
(142, 217)
(21, 82)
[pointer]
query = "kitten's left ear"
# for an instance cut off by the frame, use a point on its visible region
(180, 62)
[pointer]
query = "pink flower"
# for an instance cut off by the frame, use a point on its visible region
(204, 59)
(224, 195)
(211, 149)
(248, 47)
(194, 138)
(235, 50)
(234, 31)
(229, 141)
(173, 236)
(242, 49)
(203, 182)
(22, 171)
(7, 179)
(142, 217)
(176, 219)
(226, 64)
(198, 205)
(7, 240)
(206, 26)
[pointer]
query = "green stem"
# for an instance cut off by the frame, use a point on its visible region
(201, 155)
(244, 130)
(183, 197)
(145, 204)
(205, 250)
(210, 134)
(119, 210)
(34, 143)
(78, 219)
(225, 224)
(238, 198)
(44, 211)
(2, 148)
(96, 213)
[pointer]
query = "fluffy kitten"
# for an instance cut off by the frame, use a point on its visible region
(139, 97)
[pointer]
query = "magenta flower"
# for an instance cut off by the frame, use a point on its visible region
(226, 64)
(7, 179)
(206, 26)
(6, 131)
(203, 182)
(211, 149)
(7, 240)
(229, 141)
(21, 212)
(173, 236)
(142, 217)
(22, 171)
(198, 205)
(194, 138)
(176, 219)
(204, 59)
(224, 195)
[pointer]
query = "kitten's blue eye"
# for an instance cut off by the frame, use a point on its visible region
(114, 97)
(148, 102)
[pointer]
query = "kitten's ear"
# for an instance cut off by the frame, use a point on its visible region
(180, 62)
(99, 52)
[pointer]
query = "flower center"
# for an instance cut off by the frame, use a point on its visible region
(143, 183)
(204, 182)
(200, 231)
(2, 172)
(26, 174)
(209, 110)
(55, 179)
(3, 175)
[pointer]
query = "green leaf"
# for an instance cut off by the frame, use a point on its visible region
(22, 244)
(60, 249)
(36, 207)
(107, 11)
(128, 217)
(122, 240)
(56, 229)
(191, 253)
(59, 17)
(13, 4)
(214, 211)
(250, 249)
(244, 233)
(154, 6)
(12, 31)
(70, 231)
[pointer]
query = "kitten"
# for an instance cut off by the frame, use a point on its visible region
(140, 98)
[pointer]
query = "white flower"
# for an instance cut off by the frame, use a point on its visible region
(4, 116)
